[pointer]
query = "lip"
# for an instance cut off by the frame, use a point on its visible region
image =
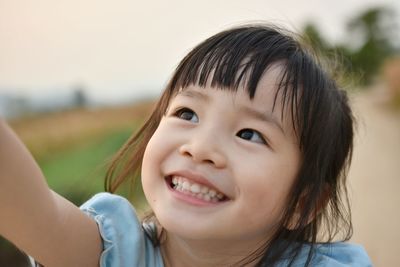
(196, 178)
(190, 199)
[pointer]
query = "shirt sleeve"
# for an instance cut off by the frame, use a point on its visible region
(120, 230)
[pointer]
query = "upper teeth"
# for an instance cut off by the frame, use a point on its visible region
(198, 190)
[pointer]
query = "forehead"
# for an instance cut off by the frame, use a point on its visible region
(267, 91)
(267, 84)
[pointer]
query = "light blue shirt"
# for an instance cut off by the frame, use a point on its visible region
(125, 243)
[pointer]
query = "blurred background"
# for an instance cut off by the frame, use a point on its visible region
(78, 77)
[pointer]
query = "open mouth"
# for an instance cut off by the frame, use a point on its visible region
(200, 191)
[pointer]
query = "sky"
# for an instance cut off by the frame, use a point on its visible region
(124, 49)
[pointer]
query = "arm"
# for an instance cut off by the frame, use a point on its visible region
(37, 220)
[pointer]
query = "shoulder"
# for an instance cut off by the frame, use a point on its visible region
(340, 254)
(110, 206)
(124, 242)
(343, 254)
(335, 254)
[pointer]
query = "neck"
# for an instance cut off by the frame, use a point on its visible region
(178, 252)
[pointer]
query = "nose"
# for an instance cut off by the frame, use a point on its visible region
(204, 148)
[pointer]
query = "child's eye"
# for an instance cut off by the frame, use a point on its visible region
(251, 135)
(187, 114)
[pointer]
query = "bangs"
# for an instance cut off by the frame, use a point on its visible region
(233, 58)
(239, 58)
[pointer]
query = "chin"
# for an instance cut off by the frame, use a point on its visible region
(188, 228)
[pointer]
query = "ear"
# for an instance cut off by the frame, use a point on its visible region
(322, 202)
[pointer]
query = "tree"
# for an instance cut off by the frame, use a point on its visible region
(79, 98)
(314, 37)
(369, 43)
(373, 30)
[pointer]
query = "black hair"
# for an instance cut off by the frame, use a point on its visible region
(321, 118)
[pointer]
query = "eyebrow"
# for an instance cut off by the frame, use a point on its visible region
(195, 94)
(262, 116)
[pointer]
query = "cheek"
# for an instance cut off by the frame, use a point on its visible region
(264, 208)
(266, 189)
(146, 173)
(265, 197)
(151, 164)
(153, 151)
(147, 157)
(157, 152)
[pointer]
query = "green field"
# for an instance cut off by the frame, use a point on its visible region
(75, 164)
(78, 173)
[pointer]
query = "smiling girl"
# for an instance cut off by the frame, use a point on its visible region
(243, 163)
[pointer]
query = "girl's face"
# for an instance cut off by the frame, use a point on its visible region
(220, 166)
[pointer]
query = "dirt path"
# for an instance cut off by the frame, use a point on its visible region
(375, 178)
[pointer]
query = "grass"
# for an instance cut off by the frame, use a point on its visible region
(79, 172)
(73, 148)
